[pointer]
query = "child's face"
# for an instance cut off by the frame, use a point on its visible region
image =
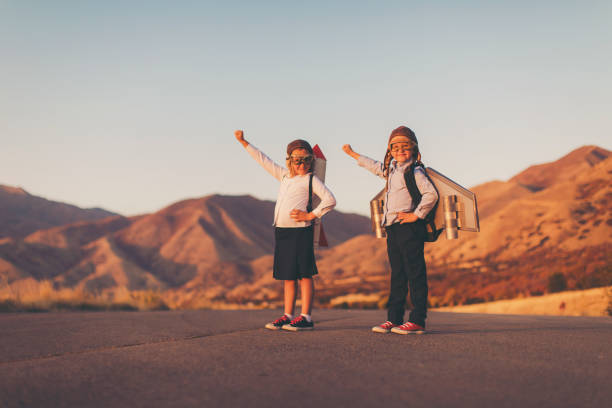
(301, 161)
(401, 152)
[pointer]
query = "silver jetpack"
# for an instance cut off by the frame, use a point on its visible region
(456, 210)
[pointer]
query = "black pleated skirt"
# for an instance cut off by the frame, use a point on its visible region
(294, 253)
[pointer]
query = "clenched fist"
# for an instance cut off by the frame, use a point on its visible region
(240, 137)
(349, 150)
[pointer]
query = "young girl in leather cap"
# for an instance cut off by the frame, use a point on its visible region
(403, 222)
(293, 234)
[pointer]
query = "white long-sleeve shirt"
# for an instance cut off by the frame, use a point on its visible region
(293, 192)
(398, 198)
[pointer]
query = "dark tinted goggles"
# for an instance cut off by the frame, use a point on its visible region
(297, 160)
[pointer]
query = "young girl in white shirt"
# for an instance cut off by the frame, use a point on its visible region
(405, 228)
(293, 234)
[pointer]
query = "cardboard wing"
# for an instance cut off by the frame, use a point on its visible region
(377, 212)
(455, 203)
(456, 211)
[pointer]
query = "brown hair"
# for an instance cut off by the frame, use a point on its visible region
(407, 133)
(297, 144)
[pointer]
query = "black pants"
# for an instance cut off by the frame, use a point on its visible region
(405, 245)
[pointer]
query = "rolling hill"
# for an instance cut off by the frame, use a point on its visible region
(553, 218)
(205, 245)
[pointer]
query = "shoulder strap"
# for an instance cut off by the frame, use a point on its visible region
(411, 184)
(309, 207)
(431, 231)
(413, 189)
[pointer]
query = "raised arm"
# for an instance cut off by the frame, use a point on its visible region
(372, 165)
(349, 150)
(274, 169)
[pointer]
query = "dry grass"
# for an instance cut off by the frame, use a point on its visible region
(42, 297)
(359, 301)
(591, 302)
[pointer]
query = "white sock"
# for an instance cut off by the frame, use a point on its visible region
(307, 316)
(289, 315)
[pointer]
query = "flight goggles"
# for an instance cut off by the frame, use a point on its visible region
(297, 160)
(396, 147)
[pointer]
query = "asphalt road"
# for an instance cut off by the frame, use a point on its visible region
(227, 359)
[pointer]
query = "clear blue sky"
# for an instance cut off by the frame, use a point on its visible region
(131, 106)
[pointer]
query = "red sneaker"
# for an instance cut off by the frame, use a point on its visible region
(384, 328)
(408, 328)
(278, 323)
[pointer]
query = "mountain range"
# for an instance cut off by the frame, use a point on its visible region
(553, 218)
(216, 251)
(22, 213)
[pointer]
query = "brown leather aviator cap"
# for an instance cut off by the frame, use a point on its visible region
(298, 144)
(402, 134)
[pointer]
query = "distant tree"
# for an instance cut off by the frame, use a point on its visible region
(557, 282)
(601, 276)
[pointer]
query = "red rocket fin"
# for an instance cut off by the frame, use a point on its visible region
(322, 237)
(318, 153)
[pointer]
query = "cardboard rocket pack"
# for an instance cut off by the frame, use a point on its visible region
(456, 210)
